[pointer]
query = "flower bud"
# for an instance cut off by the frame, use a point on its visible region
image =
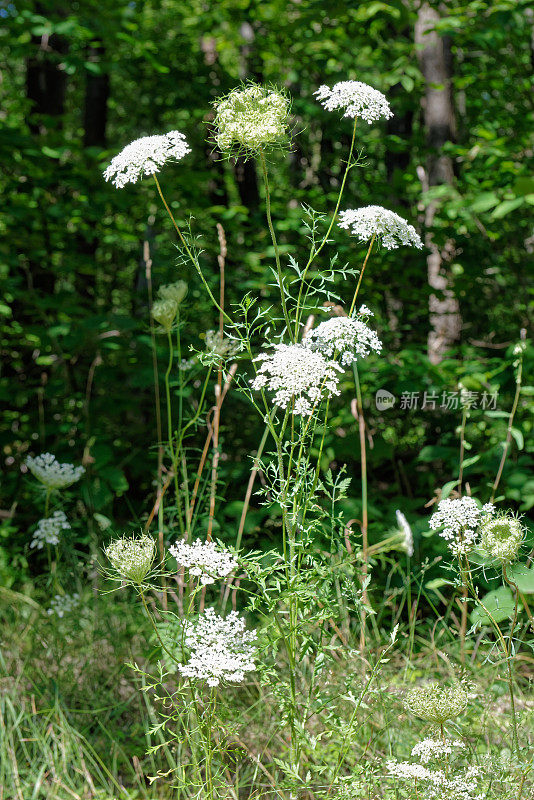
(173, 291)
(164, 312)
(501, 537)
(251, 118)
(132, 557)
(435, 703)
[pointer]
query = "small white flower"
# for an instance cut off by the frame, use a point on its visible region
(146, 156)
(62, 604)
(387, 226)
(48, 530)
(204, 560)
(295, 372)
(403, 769)
(428, 749)
(406, 530)
(358, 99)
(47, 469)
(220, 649)
(460, 519)
(350, 337)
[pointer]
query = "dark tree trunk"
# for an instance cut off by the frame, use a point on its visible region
(435, 59)
(96, 100)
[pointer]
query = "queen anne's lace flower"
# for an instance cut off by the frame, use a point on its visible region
(251, 118)
(173, 291)
(164, 312)
(62, 604)
(220, 649)
(47, 469)
(351, 337)
(403, 769)
(295, 372)
(437, 749)
(388, 227)
(221, 346)
(406, 531)
(460, 519)
(132, 556)
(146, 156)
(204, 559)
(436, 703)
(358, 99)
(501, 537)
(48, 530)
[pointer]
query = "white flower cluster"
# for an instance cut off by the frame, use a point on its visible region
(49, 529)
(204, 560)
(501, 537)
(62, 604)
(460, 519)
(406, 531)
(387, 226)
(145, 156)
(439, 785)
(251, 118)
(437, 749)
(132, 556)
(294, 371)
(351, 337)
(220, 649)
(358, 99)
(47, 469)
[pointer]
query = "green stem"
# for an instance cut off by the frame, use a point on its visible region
(194, 259)
(373, 237)
(274, 241)
(316, 252)
(509, 430)
(364, 525)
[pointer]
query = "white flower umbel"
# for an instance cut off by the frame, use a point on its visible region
(48, 530)
(356, 98)
(204, 560)
(387, 227)
(220, 649)
(460, 520)
(295, 372)
(350, 337)
(407, 771)
(146, 156)
(435, 749)
(406, 531)
(47, 469)
(62, 604)
(501, 537)
(221, 346)
(251, 118)
(132, 556)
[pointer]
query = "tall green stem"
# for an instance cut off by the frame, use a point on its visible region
(315, 252)
(364, 525)
(274, 241)
(192, 256)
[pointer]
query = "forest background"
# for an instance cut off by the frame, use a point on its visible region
(80, 80)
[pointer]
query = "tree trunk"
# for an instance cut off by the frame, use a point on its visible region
(435, 59)
(96, 100)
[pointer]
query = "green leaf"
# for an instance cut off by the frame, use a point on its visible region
(518, 436)
(500, 604)
(506, 206)
(523, 577)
